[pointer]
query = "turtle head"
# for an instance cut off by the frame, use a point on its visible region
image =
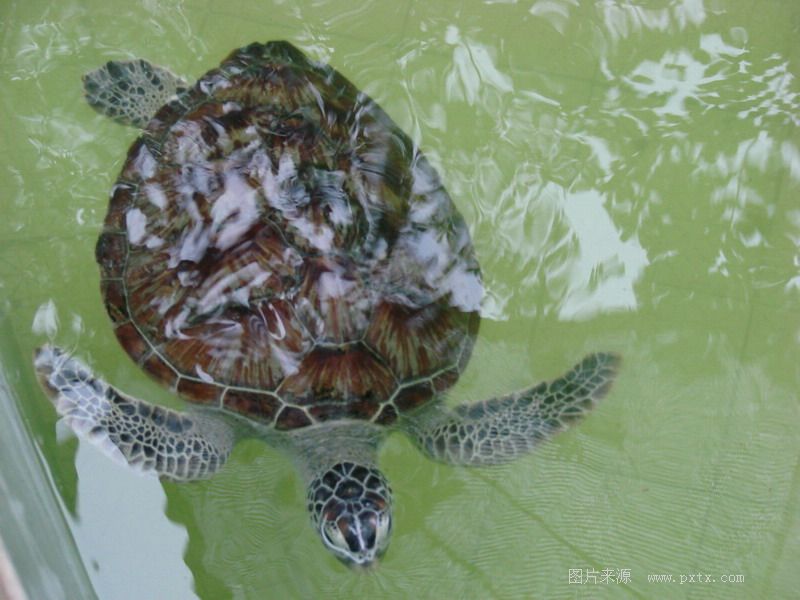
(351, 508)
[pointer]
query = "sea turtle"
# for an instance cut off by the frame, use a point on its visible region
(281, 254)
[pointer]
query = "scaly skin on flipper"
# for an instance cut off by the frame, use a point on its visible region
(501, 429)
(176, 446)
(131, 91)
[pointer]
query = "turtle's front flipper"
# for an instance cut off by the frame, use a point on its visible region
(501, 429)
(130, 91)
(176, 446)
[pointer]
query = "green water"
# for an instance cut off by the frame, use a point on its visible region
(630, 172)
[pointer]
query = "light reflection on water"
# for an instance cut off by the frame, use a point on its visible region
(629, 175)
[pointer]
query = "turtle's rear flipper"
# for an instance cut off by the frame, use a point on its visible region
(501, 429)
(176, 446)
(130, 91)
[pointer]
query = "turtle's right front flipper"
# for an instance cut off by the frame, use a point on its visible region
(501, 429)
(131, 91)
(176, 446)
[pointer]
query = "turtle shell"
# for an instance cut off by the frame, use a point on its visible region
(276, 246)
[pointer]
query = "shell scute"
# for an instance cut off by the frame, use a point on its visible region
(259, 405)
(291, 417)
(133, 342)
(162, 371)
(111, 253)
(338, 375)
(409, 398)
(114, 298)
(201, 392)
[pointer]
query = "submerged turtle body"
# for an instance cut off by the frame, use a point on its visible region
(278, 251)
(277, 246)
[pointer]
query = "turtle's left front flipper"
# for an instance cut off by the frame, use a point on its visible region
(131, 91)
(501, 429)
(176, 446)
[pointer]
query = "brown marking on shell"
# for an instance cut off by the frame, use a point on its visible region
(132, 341)
(199, 391)
(244, 347)
(132, 167)
(387, 416)
(362, 409)
(171, 112)
(337, 303)
(159, 370)
(113, 292)
(110, 251)
(418, 341)
(206, 133)
(152, 291)
(261, 257)
(445, 380)
(260, 406)
(384, 155)
(274, 73)
(343, 375)
(121, 201)
(291, 417)
(330, 203)
(413, 396)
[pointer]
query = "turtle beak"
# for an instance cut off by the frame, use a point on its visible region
(369, 563)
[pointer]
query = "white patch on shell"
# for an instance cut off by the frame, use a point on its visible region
(190, 148)
(341, 213)
(289, 361)
(277, 188)
(319, 236)
(423, 210)
(332, 285)
(229, 287)
(440, 271)
(136, 223)
(281, 328)
(172, 327)
(198, 178)
(188, 278)
(306, 312)
(193, 245)
(423, 178)
(318, 97)
(155, 195)
(431, 251)
(144, 163)
(465, 287)
(153, 241)
(163, 303)
(217, 82)
(234, 212)
(330, 185)
(223, 139)
(285, 197)
(380, 249)
(202, 374)
(286, 168)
